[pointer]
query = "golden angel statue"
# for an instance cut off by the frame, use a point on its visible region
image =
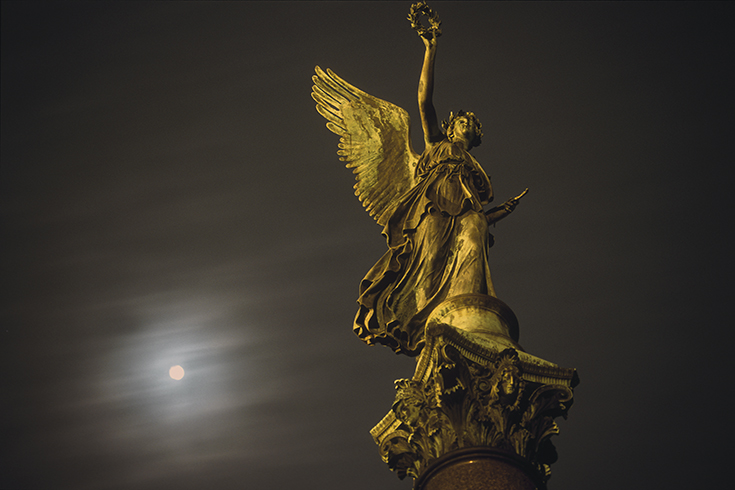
(430, 205)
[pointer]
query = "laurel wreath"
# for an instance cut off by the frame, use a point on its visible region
(414, 16)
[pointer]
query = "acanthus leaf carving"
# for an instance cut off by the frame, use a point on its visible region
(458, 402)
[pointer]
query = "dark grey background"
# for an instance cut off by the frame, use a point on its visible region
(170, 196)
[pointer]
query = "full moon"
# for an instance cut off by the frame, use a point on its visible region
(176, 372)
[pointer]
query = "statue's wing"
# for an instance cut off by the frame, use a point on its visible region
(374, 141)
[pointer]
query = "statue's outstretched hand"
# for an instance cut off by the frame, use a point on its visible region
(499, 212)
(511, 203)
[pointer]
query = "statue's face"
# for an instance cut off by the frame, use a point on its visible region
(464, 128)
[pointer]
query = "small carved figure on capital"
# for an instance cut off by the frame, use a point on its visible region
(507, 383)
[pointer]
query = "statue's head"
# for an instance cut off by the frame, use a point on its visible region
(463, 125)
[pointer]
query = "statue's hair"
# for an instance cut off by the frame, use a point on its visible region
(448, 126)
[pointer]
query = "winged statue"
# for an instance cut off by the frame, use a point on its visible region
(430, 205)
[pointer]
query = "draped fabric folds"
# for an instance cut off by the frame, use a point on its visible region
(438, 243)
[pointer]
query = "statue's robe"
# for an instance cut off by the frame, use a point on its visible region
(438, 243)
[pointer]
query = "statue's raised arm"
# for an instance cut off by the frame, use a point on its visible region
(429, 35)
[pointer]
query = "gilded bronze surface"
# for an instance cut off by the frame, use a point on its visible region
(431, 295)
(431, 206)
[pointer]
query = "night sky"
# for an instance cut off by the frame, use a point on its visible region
(169, 195)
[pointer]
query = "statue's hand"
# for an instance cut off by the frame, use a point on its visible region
(429, 39)
(499, 212)
(510, 205)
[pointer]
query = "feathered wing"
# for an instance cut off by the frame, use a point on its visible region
(374, 141)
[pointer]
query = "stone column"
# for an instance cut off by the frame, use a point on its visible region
(479, 412)
(480, 468)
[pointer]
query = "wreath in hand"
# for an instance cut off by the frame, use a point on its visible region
(414, 16)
